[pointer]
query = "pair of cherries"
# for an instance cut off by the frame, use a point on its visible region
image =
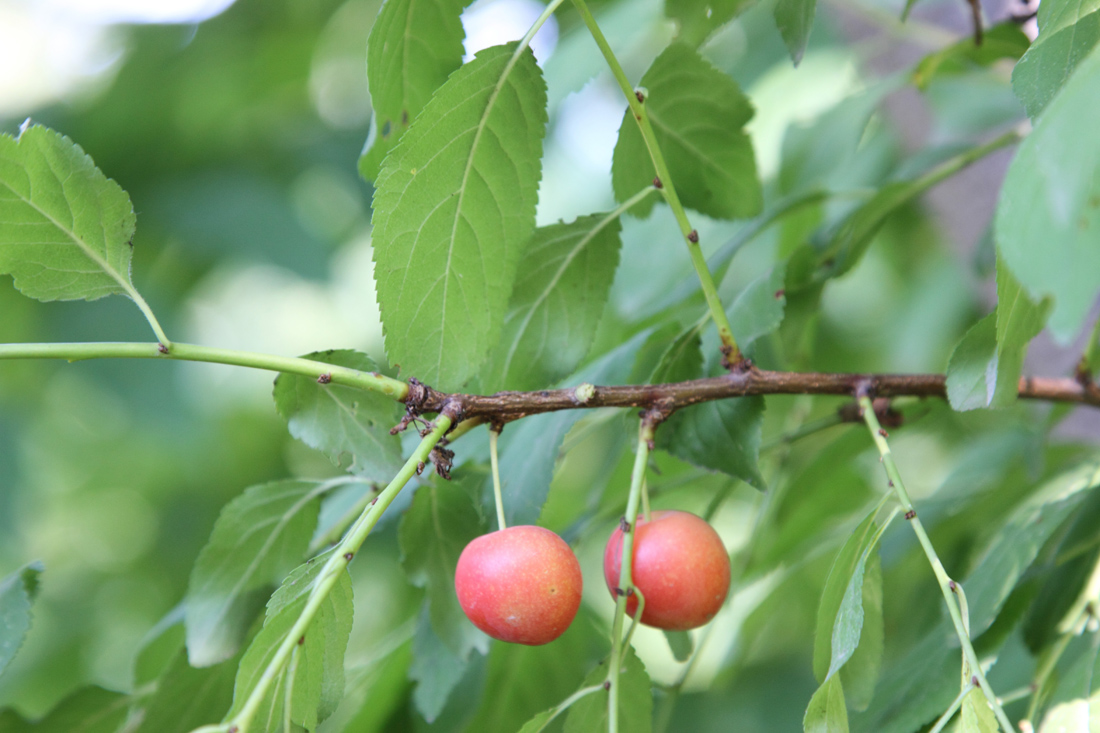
(523, 584)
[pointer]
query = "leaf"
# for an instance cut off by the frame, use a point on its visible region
(413, 47)
(976, 716)
(374, 691)
(435, 530)
(1002, 41)
(1019, 319)
(351, 426)
(1047, 224)
(589, 714)
(66, 228)
(453, 210)
(529, 449)
(697, 19)
(187, 698)
(723, 435)
(972, 369)
(795, 20)
(840, 613)
(538, 723)
(88, 710)
(681, 644)
(557, 303)
(160, 646)
(435, 668)
(17, 592)
(259, 537)
(827, 712)
(697, 114)
(1068, 32)
(861, 672)
(758, 309)
(318, 683)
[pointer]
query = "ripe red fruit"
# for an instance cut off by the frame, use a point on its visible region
(521, 584)
(680, 566)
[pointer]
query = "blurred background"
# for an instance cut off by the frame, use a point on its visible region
(236, 126)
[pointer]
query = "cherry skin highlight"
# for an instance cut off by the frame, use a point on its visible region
(680, 566)
(521, 584)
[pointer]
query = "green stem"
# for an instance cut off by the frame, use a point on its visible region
(802, 431)
(947, 586)
(394, 388)
(148, 313)
(626, 578)
(950, 712)
(334, 568)
(493, 435)
(668, 188)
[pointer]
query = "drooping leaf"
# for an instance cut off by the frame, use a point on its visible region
(187, 698)
(827, 712)
(1068, 32)
(351, 426)
(454, 207)
(681, 644)
(556, 306)
(318, 680)
(259, 537)
(795, 20)
(413, 47)
(439, 524)
(17, 592)
(1002, 41)
(972, 369)
(65, 228)
(1048, 216)
(723, 435)
(589, 714)
(697, 19)
(861, 672)
(373, 692)
(435, 668)
(697, 114)
(529, 449)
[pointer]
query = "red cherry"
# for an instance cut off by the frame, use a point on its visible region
(680, 566)
(521, 584)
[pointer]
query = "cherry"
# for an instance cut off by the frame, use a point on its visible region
(680, 567)
(521, 584)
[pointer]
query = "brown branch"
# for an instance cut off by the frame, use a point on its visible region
(508, 406)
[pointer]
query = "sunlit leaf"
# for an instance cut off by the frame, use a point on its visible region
(697, 19)
(1068, 32)
(827, 712)
(453, 210)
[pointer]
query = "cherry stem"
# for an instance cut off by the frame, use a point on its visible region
(497, 494)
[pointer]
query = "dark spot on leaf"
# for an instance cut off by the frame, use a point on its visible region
(405, 117)
(386, 127)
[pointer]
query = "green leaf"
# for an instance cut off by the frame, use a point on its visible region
(1002, 41)
(556, 306)
(434, 531)
(1019, 319)
(88, 710)
(723, 435)
(373, 692)
(435, 668)
(840, 613)
(697, 19)
(697, 113)
(758, 309)
(972, 370)
(827, 712)
(861, 672)
(159, 646)
(589, 714)
(681, 644)
(976, 716)
(318, 682)
(187, 698)
(413, 47)
(795, 20)
(351, 426)
(66, 228)
(529, 449)
(453, 210)
(1068, 32)
(1048, 216)
(538, 723)
(17, 592)
(259, 537)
